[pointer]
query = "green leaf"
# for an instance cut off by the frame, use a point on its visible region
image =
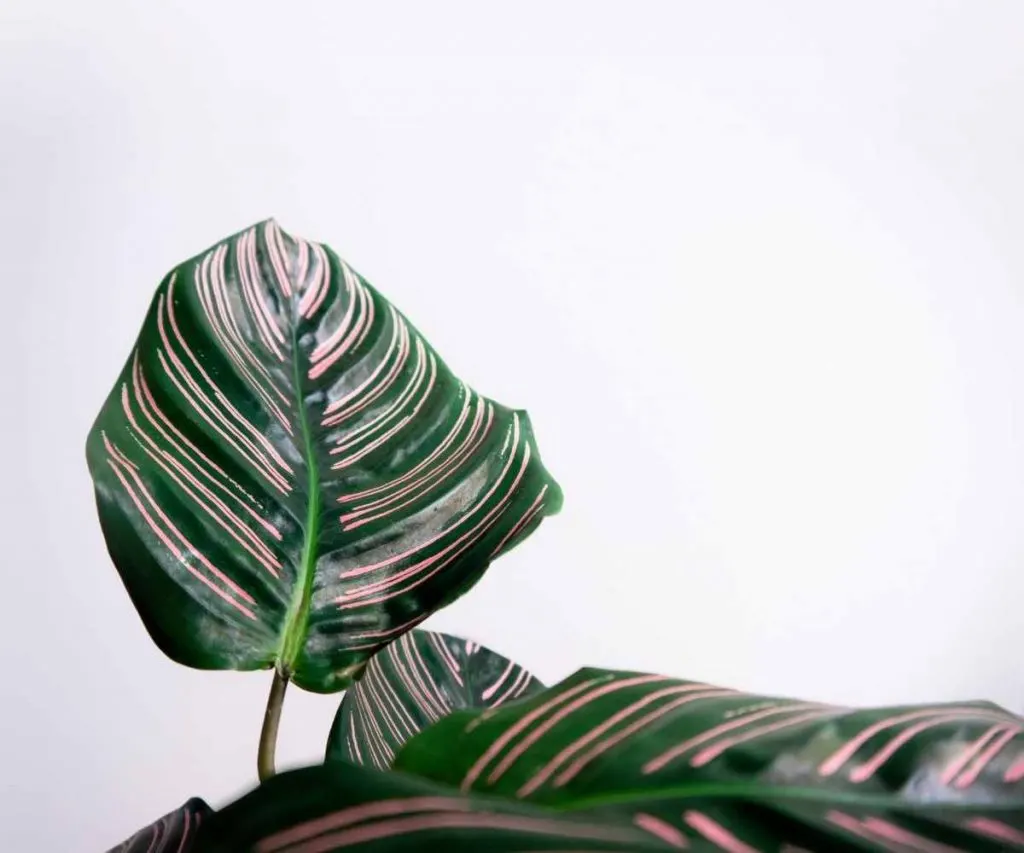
(342, 806)
(288, 476)
(413, 683)
(175, 832)
(706, 761)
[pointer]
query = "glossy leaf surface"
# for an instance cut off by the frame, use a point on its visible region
(288, 475)
(655, 746)
(413, 683)
(175, 832)
(340, 806)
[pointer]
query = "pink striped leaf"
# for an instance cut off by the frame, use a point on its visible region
(341, 807)
(175, 832)
(412, 684)
(288, 476)
(946, 772)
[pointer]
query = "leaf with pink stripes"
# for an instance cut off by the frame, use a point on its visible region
(175, 832)
(289, 476)
(628, 738)
(341, 807)
(412, 684)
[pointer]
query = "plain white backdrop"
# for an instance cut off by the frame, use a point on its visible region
(756, 270)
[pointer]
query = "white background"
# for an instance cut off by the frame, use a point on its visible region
(756, 269)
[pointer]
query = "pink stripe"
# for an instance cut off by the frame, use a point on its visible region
(263, 556)
(357, 597)
(968, 753)
(363, 322)
(312, 289)
(573, 769)
(382, 439)
(355, 496)
(890, 831)
(545, 772)
(399, 344)
(362, 570)
(272, 477)
(221, 328)
(221, 397)
(1016, 771)
(996, 829)
(382, 708)
(664, 758)
(661, 830)
(170, 545)
(490, 691)
(324, 280)
(716, 833)
(256, 460)
(355, 301)
(831, 764)
(359, 434)
(442, 647)
(219, 290)
(517, 687)
(357, 814)
(421, 485)
(865, 771)
(527, 517)
(387, 692)
(275, 245)
(147, 402)
(433, 700)
(185, 832)
(974, 770)
(249, 273)
(475, 820)
(211, 289)
(712, 752)
(499, 743)
(513, 754)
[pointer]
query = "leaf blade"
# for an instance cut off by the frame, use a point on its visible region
(412, 684)
(288, 470)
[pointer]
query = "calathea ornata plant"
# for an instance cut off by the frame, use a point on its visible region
(289, 478)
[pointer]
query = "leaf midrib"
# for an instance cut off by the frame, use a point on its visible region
(297, 615)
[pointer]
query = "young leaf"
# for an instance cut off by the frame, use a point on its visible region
(175, 832)
(651, 745)
(287, 474)
(413, 683)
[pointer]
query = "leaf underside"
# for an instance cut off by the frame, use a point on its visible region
(175, 832)
(412, 684)
(288, 476)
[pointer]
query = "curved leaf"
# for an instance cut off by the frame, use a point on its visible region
(287, 475)
(175, 832)
(650, 745)
(340, 806)
(413, 683)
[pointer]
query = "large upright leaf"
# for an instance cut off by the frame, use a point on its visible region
(680, 756)
(287, 474)
(175, 832)
(413, 683)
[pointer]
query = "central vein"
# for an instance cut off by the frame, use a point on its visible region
(298, 609)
